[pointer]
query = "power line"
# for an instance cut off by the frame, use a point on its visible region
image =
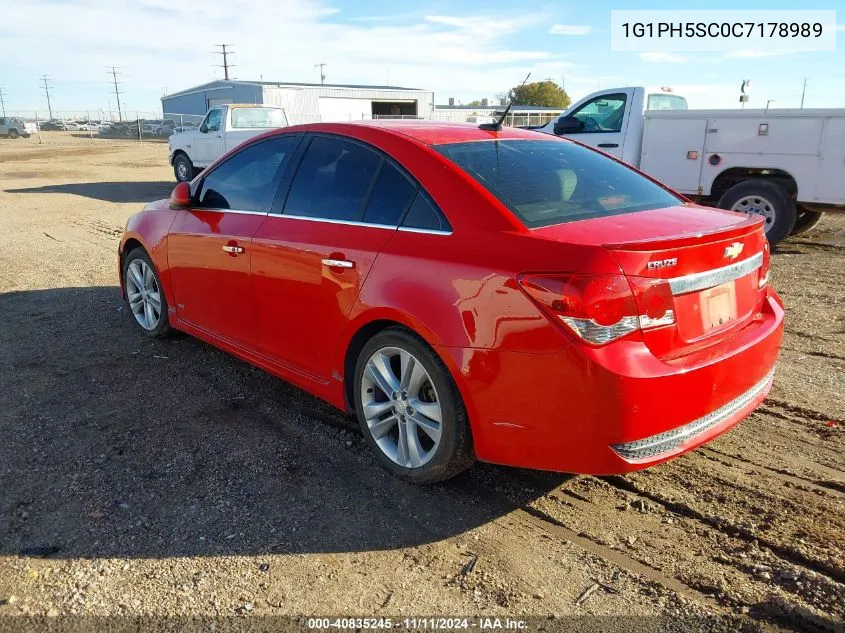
(321, 66)
(226, 65)
(2, 101)
(46, 89)
(117, 92)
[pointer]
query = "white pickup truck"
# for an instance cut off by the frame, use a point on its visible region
(223, 128)
(13, 128)
(786, 165)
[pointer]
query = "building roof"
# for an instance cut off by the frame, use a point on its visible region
(220, 84)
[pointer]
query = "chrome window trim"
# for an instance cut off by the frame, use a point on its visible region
(333, 221)
(411, 229)
(238, 211)
(715, 277)
(657, 445)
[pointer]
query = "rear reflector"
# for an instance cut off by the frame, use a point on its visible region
(601, 308)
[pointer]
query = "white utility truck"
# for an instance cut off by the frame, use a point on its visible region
(224, 127)
(785, 165)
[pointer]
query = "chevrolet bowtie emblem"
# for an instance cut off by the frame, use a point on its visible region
(734, 250)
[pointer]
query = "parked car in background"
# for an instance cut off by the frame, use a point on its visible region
(51, 126)
(469, 293)
(13, 127)
(223, 128)
(783, 165)
(71, 125)
(84, 126)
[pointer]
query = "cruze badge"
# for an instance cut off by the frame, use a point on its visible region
(662, 263)
(734, 250)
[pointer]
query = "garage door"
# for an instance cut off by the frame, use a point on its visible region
(345, 109)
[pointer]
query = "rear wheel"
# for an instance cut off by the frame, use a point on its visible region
(409, 409)
(144, 295)
(13, 134)
(183, 168)
(806, 220)
(766, 199)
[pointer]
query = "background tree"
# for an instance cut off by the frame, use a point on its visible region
(540, 93)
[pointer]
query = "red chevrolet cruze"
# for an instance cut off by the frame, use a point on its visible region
(469, 293)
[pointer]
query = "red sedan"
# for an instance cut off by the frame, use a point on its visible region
(469, 293)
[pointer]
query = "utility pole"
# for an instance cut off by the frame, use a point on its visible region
(226, 65)
(117, 92)
(803, 92)
(2, 101)
(46, 88)
(321, 66)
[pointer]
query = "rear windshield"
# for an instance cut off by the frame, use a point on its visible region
(552, 182)
(258, 117)
(666, 102)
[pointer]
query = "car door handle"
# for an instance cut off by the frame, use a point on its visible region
(235, 250)
(608, 144)
(338, 263)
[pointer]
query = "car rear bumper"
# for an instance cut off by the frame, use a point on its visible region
(615, 409)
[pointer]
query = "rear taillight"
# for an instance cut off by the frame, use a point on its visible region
(764, 269)
(601, 308)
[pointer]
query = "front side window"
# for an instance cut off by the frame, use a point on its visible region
(554, 181)
(212, 120)
(247, 181)
(602, 114)
(333, 180)
(258, 118)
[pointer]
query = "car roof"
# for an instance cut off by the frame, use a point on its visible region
(429, 132)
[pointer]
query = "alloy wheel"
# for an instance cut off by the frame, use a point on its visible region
(401, 407)
(143, 294)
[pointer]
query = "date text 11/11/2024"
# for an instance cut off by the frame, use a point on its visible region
(418, 624)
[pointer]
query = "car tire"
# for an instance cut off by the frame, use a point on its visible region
(13, 133)
(764, 198)
(806, 220)
(183, 168)
(389, 421)
(144, 295)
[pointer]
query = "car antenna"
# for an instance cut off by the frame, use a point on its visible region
(497, 126)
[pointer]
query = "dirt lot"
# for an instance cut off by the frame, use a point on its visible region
(155, 478)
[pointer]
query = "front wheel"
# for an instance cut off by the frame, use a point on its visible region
(766, 199)
(409, 409)
(142, 288)
(13, 134)
(183, 168)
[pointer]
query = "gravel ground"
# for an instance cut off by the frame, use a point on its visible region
(155, 478)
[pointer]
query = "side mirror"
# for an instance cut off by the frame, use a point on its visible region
(181, 196)
(568, 125)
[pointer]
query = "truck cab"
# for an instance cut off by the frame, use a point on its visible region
(224, 127)
(612, 120)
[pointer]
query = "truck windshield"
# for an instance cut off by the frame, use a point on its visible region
(666, 102)
(258, 117)
(554, 181)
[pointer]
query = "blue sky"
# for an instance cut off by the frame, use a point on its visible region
(467, 50)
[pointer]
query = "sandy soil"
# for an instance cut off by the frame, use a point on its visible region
(165, 478)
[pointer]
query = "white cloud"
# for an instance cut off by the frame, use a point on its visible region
(753, 54)
(662, 57)
(570, 29)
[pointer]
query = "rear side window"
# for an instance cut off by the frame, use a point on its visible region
(248, 180)
(554, 181)
(423, 214)
(391, 195)
(333, 180)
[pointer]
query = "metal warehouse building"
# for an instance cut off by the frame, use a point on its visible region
(306, 103)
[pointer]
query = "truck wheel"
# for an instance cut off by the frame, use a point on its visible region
(13, 133)
(183, 168)
(766, 199)
(806, 220)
